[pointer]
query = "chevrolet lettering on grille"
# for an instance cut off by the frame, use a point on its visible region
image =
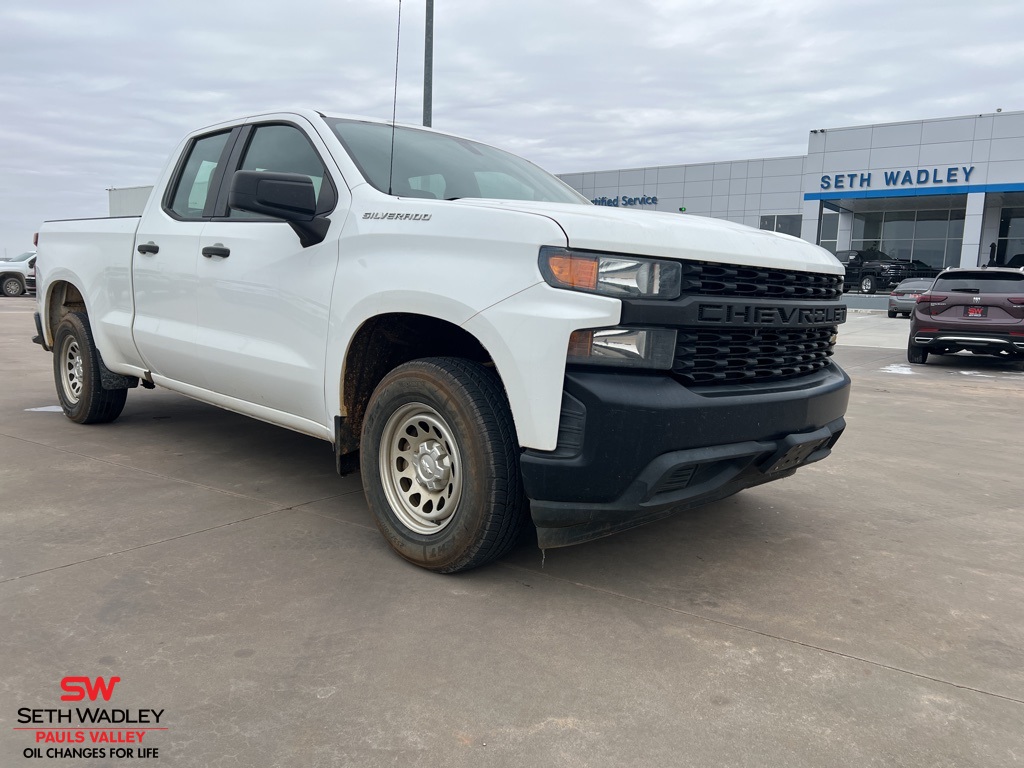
(746, 314)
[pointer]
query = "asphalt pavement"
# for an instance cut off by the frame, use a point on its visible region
(867, 611)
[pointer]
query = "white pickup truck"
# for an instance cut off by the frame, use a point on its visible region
(18, 274)
(482, 343)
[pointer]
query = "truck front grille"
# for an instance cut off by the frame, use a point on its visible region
(737, 355)
(706, 279)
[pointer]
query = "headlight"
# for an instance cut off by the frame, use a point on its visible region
(610, 275)
(624, 347)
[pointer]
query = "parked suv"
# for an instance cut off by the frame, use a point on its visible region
(904, 296)
(18, 274)
(979, 310)
(871, 270)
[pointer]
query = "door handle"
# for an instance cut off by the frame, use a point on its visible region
(149, 247)
(216, 250)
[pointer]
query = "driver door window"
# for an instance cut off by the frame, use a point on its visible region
(284, 149)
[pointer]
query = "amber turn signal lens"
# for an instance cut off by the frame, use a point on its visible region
(580, 343)
(574, 271)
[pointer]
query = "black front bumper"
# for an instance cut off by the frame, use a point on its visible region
(636, 447)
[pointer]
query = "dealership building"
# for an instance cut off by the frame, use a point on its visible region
(948, 191)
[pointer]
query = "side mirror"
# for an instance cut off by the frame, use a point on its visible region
(287, 196)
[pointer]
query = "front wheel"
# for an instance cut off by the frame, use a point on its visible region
(76, 372)
(439, 461)
(12, 286)
(868, 284)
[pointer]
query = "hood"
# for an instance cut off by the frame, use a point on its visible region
(674, 236)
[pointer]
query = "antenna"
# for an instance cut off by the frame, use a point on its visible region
(394, 105)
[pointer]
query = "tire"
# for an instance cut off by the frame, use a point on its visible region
(892, 313)
(76, 372)
(12, 286)
(916, 354)
(868, 284)
(439, 460)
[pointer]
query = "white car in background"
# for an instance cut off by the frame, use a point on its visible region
(18, 274)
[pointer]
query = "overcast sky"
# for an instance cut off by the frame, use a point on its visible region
(96, 94)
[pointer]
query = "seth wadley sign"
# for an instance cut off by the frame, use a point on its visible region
(904, 177)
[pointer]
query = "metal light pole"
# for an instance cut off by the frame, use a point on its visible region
(428, 66)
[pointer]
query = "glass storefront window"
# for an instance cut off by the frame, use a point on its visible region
(1011, 222)
(898, 249)
(931, 252)
(898, 225)
(829, 226)
(953, 248)
(1011, 234)
(931, 224)
(867, 226)
(934, 237)
(1008, 248)
(956, 224)
(789, 225)
(786, 224)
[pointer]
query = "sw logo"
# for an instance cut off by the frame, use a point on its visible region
(79, 687)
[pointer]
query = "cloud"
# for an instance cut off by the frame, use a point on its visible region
(94, 95)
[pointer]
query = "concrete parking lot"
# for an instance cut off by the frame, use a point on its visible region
(867, 611)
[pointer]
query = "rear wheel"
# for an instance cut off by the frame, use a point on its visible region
(76, 372)
(892, 313)
(916, 354)
(440, 465)
(868, 284)
(12, 286)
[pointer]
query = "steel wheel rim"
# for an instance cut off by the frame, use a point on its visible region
(420, 468)
(71, 370)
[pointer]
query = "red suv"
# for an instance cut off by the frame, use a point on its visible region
(979, 310)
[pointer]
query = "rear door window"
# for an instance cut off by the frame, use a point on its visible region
(192, 187)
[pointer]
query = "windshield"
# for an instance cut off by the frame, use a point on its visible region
(23, 257)
(435, 166)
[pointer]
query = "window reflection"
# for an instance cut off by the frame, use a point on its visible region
(934, 237)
